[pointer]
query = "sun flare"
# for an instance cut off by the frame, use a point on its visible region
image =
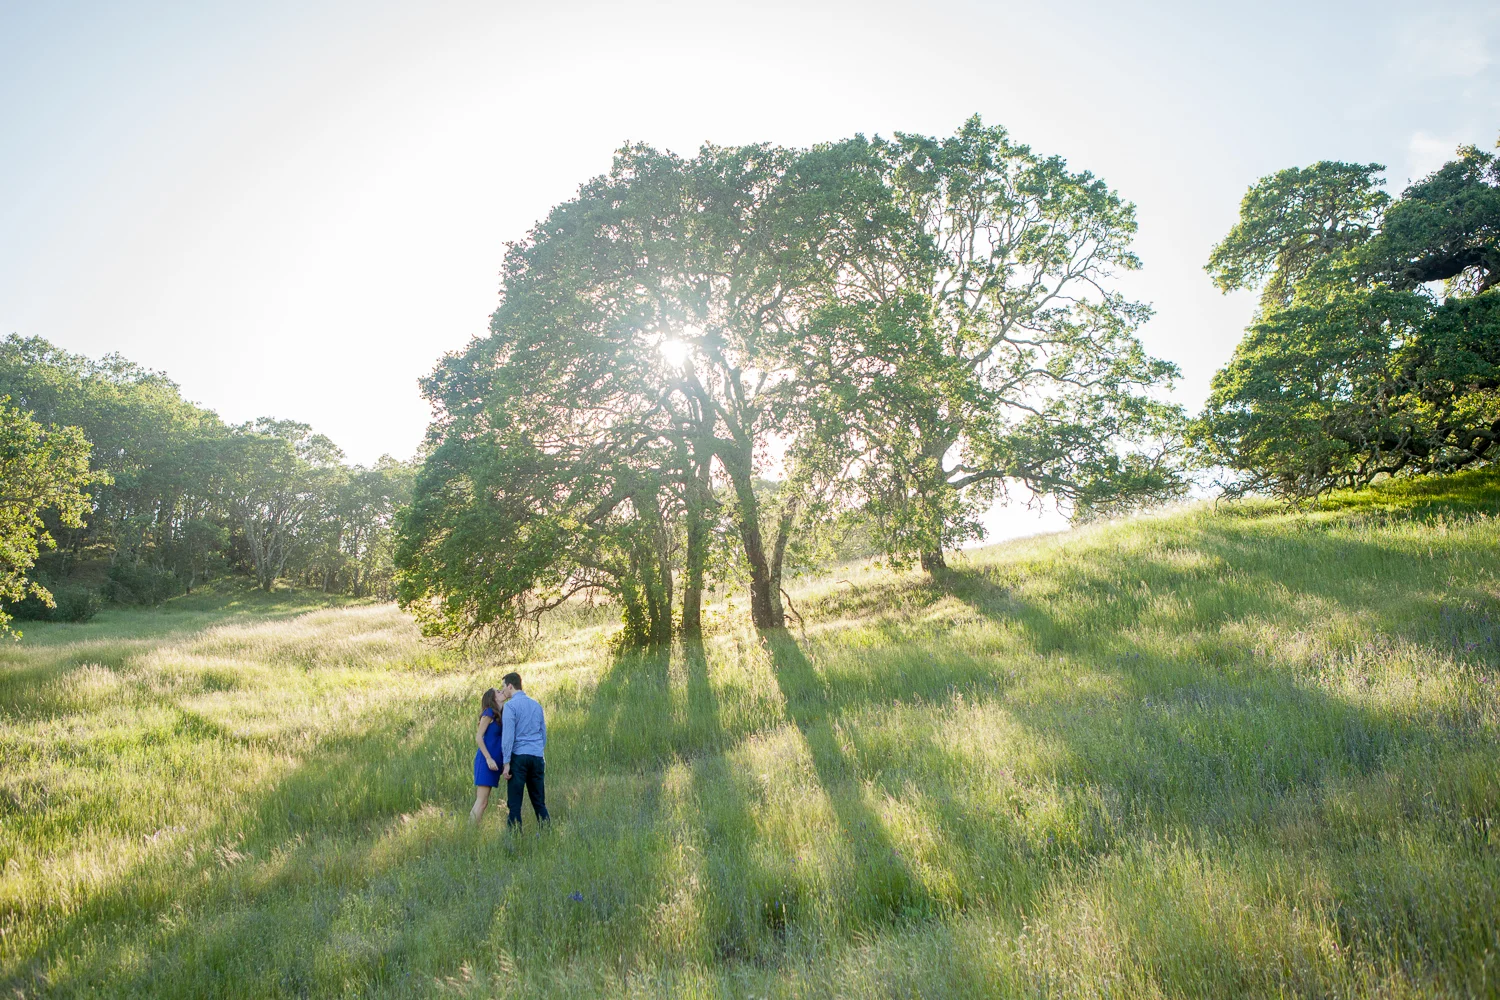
(674, 352)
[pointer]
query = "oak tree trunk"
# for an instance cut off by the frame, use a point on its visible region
(765, 598)
(697, 557)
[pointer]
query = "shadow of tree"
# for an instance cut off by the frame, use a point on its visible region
(1214, 711)
(883, 889)
(1197, 749)
(1226, 570)
(741, 904)
(1212, 739)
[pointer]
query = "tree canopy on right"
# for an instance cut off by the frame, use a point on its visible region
(1376, 348)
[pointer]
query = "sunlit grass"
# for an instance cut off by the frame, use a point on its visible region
(1244, 751)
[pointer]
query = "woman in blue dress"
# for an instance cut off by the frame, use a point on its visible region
(487, 759)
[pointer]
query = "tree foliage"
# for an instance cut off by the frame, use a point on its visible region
(994, 351)
(42, 467)
(1297, 223)
(1445, 227)
(1359, 364)
(897, 328)
(180, 497)
(279, 475)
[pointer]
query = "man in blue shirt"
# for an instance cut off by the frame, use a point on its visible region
(523, 741)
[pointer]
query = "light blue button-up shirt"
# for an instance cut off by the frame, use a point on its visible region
(525, 729)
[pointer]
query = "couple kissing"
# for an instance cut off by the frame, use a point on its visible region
(512, 739)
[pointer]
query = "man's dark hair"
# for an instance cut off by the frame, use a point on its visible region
(513, 679)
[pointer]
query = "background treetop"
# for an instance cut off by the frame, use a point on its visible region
(1295, 221)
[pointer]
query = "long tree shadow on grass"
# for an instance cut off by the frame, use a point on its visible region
(1201, 749)
(1203, 706)
(1213, 677)
(1167, 730)
(1212, 745)
(626, 721)
(749, 906)
(884, 889)
(1239, 571)
(1212, 737)
(1219, 570)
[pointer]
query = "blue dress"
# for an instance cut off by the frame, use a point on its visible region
(482, 773)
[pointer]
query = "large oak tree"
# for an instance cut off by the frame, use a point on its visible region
(901, 326)
(992, 348)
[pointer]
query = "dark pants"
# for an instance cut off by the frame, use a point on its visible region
(528, 773)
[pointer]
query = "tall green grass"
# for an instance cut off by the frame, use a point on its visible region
(1232, 751)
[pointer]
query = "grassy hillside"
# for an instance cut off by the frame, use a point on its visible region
(1234, 751)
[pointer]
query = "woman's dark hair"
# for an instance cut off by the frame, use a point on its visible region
(491, 701)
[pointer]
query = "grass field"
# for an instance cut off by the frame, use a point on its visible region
(1241, 751)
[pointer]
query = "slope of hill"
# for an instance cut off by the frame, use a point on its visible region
(1234, 751)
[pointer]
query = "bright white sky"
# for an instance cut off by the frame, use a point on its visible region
(295, 208)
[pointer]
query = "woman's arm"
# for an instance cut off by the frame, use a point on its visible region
(484, 723)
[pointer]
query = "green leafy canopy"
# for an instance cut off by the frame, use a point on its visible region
(1376, 351)
(42, 467)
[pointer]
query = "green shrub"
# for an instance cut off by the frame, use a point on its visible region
(31, 609)
(76, 603)
(142, 584)
(71, 603)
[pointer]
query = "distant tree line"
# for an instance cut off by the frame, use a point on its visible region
(176, 497)
(701, 366)
(1375, 351)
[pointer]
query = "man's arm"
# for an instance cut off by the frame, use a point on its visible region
(508, 733)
